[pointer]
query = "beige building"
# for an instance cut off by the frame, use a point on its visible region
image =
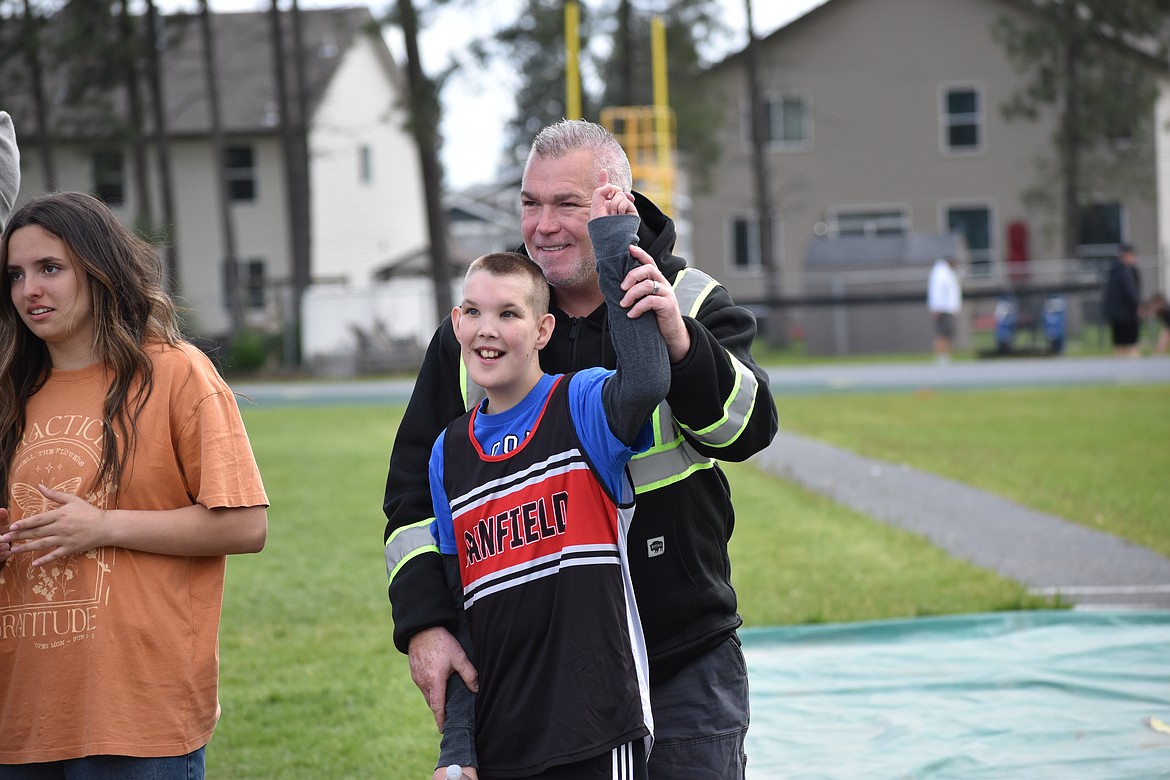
(885, 123)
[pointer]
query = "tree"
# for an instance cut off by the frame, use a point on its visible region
(423, 112)
(219, 160)
(761, 174)
(292, 109)
(166, 180)
(31, 45)
(1093, 62)
(129, 55)
(625, 72)
(534, 45)
(616, 69)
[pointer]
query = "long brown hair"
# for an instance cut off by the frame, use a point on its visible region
(130, 310)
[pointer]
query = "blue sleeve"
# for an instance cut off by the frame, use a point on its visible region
(442, 527)
(604, 449)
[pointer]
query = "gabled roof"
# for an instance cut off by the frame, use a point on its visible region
(1147, 49)
(244, 61)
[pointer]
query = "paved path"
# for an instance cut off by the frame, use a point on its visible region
(1047, 553)
(992, 372)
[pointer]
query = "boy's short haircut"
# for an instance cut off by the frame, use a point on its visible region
(516, 264)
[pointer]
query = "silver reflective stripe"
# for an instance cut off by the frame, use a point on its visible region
(736, 412)
(691, 288)
(407, 542)
(671, 459)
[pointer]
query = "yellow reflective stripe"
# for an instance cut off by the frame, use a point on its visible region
(736, 412)
(670, 459)
(407, 542)
(672, 479)
(666, 464)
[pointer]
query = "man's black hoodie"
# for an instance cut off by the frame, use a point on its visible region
(678, 540)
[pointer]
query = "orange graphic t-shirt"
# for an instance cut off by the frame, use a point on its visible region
(115, 651)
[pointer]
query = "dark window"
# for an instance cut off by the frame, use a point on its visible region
(974, 224)
(786, 122)
(254, 284)
(745, 239)
(109, 178)
(869, 223)
(241, 173)
(1100, 224)
(962, 119)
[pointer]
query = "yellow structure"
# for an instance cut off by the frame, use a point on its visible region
(647, 133)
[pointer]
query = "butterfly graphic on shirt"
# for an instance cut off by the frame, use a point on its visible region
(32, 502)
(56, 582)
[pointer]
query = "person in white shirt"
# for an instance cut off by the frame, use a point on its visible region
(944, 299)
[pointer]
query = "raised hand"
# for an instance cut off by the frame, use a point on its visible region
(609, 199)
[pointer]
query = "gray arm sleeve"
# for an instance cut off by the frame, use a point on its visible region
(458, 743)
(643, 368)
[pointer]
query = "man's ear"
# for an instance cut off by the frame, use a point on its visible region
(545, 330)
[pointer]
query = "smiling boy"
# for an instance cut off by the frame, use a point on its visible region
(532, 504)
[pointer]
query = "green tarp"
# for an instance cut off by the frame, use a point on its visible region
(1003, 696)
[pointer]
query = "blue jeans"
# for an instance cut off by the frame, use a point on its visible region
(188, 767)
(701, 719)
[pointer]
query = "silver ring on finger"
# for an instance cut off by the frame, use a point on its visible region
(654, 289)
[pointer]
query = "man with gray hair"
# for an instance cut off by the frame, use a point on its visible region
(719, 406)
(9, 167)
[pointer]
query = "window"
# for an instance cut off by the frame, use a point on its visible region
(962, 119)
(365, 164)
(109, 179)
(241, 173)
(254, 284)
(1099, 231)
(785, 123)
(876, 222)
(973, 223)
(745, 243)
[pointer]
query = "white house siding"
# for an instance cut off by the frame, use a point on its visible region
(361, 226)
(258, 225)
(872, 73)
(1162, 139)
(259, 229)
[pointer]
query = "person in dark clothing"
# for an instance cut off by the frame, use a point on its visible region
(1122, 303)
(719, 407)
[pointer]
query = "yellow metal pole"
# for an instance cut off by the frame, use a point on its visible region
(661, 108)
(572, 67)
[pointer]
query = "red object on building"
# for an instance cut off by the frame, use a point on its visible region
(1017, 246)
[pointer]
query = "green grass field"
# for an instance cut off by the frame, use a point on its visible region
(312, 688)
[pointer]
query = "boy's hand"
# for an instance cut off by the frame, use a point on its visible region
(608, 199)
(469, 771)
